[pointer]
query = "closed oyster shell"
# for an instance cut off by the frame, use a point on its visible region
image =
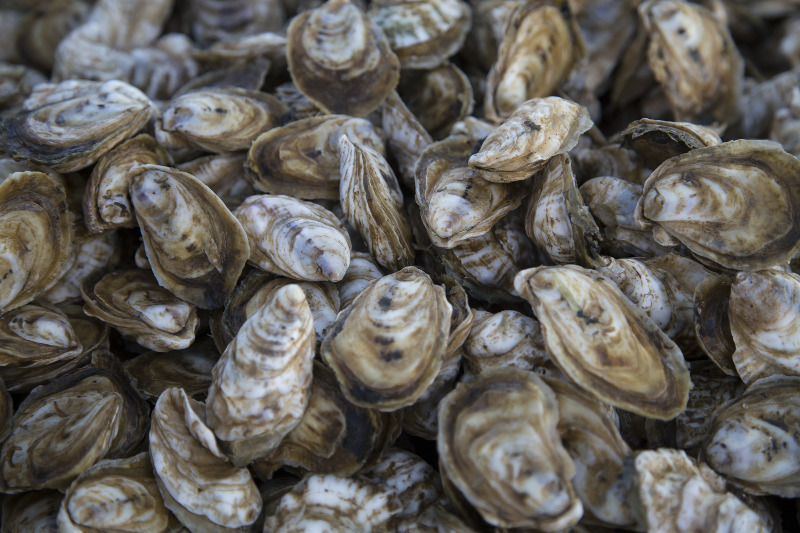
(601, 341)
(116, 495)
(387, 347)
(499, 446)
(206, 493)
(223, 173)
(456, 202)
(373, 203)
(406, 137)
(195, 246)
(71, 125)
(700, 200)
(260, 385)
(35, 236)
(536, 131)
(301, 159)
(31, 511)
(360, 273)
(294, 238)
(341, 60)
(218, 120)
(34, 335)
(213, 21)
(132, 302)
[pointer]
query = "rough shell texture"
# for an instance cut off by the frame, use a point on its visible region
(360, 273)
(655, 141)
(31, 511)
(34, 335)
(406, 137)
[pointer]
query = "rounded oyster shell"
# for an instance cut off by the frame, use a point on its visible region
(195, 246)
(341, 60)
(34, 335)
(601, 341)
(387, 347)
(499, 446)
(294, 238)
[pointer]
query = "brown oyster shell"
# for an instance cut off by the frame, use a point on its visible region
(31, 511)
(655, 141)
(712, 325)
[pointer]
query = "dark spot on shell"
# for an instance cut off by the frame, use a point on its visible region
(587, 318)
(221, 111)
(780, 424)
(391, 355)
(531, 125)
(385, 341)
(695, 55)
(385, 302)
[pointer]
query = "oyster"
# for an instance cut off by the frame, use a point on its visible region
(407, 138)
(294, 238)
(373, 203)
(132, 302)
(360, 273)
(35, 236)
(602, 342)
(222, 173)
(31, 511)
(421, 418)
(218, 120)
(34, 335)
(655, 141)
(214, 21)
(195, 246)
(387, 347)
(71, 125)
(712, 324)
(341, 60)
(499, 446)
(536, 131)
(116, 495)
(439, 97)
(260, 385)
(206, 493)
(301, 159)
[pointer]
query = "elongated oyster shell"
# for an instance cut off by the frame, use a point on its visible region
(373, 203)
(116, 495)
(601, 341)
(35, 236)
(333, 436)
(301, 159)
(132, 302)
(70, 125)
(341, 60)
(260, 384)
(294, 238)
(499, 445)
(678, 494)
(333, 503)
(540, 47)
(387, 347)
(206, 493)
(733, 204)
(195, 246)
(218, 120)
(407, 138)
(762, 313)
(456, 203)
(31, 511)
(536, 131)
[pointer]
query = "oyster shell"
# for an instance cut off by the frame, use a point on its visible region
(34, 335)
(498, 444)
(421, 419)
(655, 141)
(294, 238)
(439, 97)
(195, 246)
(35, 236)
(219, 119)
(407, 138)
(132, 302)
(699, 199)
(360, 273)
(31, 511)
(260, 385)
(222, 173)
(301, 159)
(373, 203)
(387, 347)
(341, 60)
(712, 324)
(71, 125)
(206, 493)
(213, 21)
(601, 341)
(536, 131)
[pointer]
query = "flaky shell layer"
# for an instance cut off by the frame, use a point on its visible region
(195, 246)
(387, 347)
(601, 341)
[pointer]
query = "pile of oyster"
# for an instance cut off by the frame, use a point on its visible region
(399, 265)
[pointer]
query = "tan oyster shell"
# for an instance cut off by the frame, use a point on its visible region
(482, 428)
(133, 302)
(360, 273)
(70, 125)
(35, 236)
(387, 347)
(601, 341)
(260, 384)
(195, 246)
(31, 511)
(341, 60)
(373, 203)
(753, 177)
(407, 138)
(301, 159)
(536, 131)
(212, 21)
(294, 238)
(222, 173)
(439, 97)
(299, 106)
(34, 335)
(421, 419)
(218, 120)
(456, 202)
(205, 492)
